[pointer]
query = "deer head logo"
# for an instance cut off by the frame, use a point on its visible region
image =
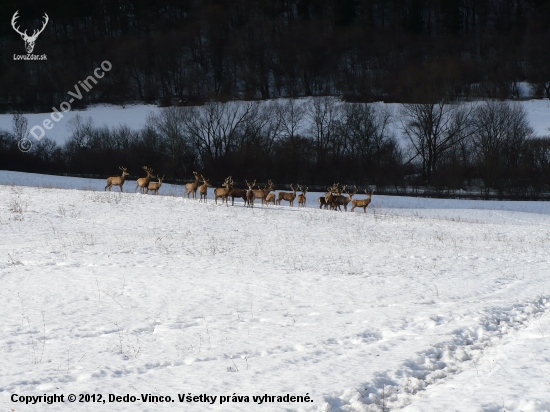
(29, 40)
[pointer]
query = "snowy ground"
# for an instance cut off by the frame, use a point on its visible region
(538, 114)
(417, 305)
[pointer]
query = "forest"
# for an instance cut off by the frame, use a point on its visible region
(407, 51)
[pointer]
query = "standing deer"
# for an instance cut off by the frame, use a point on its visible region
(203, 189)
(250, 194)
(192, 187)
(344, 200)
(117, 180)
(302, 197)
(270, 198)
(223, 191)
(363, 202)
(262, 193)
(330, 198)
(154, 187)
(289, 197)
(143, 182)
(234, 192)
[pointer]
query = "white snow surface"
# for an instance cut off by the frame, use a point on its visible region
(416, 305)
(538, 115)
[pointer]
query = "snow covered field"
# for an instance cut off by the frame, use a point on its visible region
(417, 305)
(538, 114)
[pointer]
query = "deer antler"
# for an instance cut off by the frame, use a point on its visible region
(13, 19)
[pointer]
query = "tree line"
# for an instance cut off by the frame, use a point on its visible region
(444, 146)
(194, 51)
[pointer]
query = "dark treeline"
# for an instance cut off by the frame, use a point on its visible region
(218, 50)
(486, 146)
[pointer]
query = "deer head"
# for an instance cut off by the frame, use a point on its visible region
(250, 186)
(205, 181)
(124, 171)
(29, 40)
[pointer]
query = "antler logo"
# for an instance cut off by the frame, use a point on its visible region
(29, 40)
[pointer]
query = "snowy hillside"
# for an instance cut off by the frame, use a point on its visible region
(417, 305)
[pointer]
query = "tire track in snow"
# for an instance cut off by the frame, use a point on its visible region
(393, 390)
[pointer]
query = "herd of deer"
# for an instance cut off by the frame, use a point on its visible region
(334, 197)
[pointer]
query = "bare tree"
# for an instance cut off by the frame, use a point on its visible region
(435, 128)
(501, 131)
(20, 126)
(216, 128)
(324, 115)
(170, 125)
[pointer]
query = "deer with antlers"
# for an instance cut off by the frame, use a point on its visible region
(29, 40)
(329, 200)
(363, 202)
(240, 193)
(117, 180)
(203, 189)
(155, 186)
(191, 187)
(262, 193)
(143, 182)
(223, 191)
(250, 194)
(289, 197)
(302, 196)
(341, 200)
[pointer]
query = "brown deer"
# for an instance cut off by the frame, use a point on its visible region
(117, 180)
(154, 187)
(203, 189)
(344, 200)
(143, 182)
(262, 193)
(270, 198)
(289, 197)
(192, 187)
(330, 197)
(223, 191)
(363, 202)
(234, 192)
(302, 197)
(250, 194)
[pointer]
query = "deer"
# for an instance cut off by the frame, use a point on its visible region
(344, 200)
(143, 182)
(289, 197)
(363, 202)
(330, 198)
(29, 40)
(270, 198)
(302, 197)
(117, 180)
(203, 189)
(223, 191)
(262, 193)
(154, 187)
(250, 194)
(234, 192)
(192, 187)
